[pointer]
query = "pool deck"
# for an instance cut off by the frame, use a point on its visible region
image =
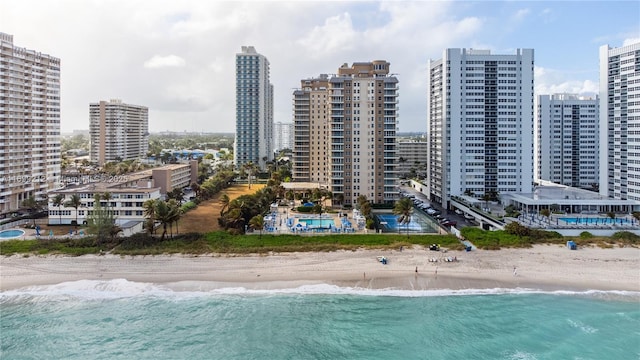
(286, 221)
(583, 222)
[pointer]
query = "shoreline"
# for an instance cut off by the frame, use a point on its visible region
(543, 267)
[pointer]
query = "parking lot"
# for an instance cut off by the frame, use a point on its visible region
(446, 218)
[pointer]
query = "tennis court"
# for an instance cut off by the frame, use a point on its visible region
(419, 223)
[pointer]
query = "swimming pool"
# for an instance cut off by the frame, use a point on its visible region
(324, 223)
(10, 234)
(594, 220)
(419, 223)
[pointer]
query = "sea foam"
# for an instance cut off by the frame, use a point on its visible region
(122, 288)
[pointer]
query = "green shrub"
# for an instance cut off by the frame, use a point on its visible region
(304, 209)
(586, 235)
(188, 206)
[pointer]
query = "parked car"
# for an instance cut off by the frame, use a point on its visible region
(449, 223)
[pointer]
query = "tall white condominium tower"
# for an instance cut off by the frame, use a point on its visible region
(311, 131)
(566, 140)
(620, 122)
(29, 123)
(364, 111)
(283, 133)
(118, 131)
(254, 109)
(480, 124)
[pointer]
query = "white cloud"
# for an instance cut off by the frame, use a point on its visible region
(549, 81)
(335, 35)
(632, 41)
(521, 14)
(158, 61)
(189, 49)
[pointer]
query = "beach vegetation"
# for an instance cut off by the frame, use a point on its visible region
(225, 243)
(586, 235)
(102, 223)
(626, 237)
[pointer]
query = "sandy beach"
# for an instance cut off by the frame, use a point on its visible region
(545, 267)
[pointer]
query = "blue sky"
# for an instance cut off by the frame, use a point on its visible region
(177, 57)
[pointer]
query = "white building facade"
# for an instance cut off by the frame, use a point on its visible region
(620, 122)
(29, 123)
(363, 120)
(283, 133)
(126, 203)
(480, 110)
(118, 131)
(566, 140)
(254, 109)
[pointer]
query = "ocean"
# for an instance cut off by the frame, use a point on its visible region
(118, 319)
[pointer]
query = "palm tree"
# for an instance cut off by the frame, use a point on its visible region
(58, 201)
(106, 196)
(257, 223)
(249, 167)
(32, 204)
(196, 188)
(317, 209)
(149, 207)
(403, 208)
(546, 213)
(224, 200)
(174, 214)
(163, 215)
(74, 202)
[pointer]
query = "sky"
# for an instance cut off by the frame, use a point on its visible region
(178, 57)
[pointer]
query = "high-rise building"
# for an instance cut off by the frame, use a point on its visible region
(254, 109)
(412, 157)
(620, 122)
(566, 140)
(311, 131)
(118, 131)
(363, 107)
(283, 133)
(29, 124)
(480, 124)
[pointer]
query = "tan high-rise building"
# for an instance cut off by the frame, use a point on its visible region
(118, 131)
(29, 123)
(363, 119)
(311, 131)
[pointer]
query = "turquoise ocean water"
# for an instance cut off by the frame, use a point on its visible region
(119, 319)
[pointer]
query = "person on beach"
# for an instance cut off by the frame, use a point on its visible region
(416, 269)
(515, 271)
(436, 270)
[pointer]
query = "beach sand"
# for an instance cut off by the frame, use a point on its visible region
(544, 267)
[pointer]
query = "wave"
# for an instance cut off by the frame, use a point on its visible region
(122, 288)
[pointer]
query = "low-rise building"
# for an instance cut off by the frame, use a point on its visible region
(174, 176)
(125, 202)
